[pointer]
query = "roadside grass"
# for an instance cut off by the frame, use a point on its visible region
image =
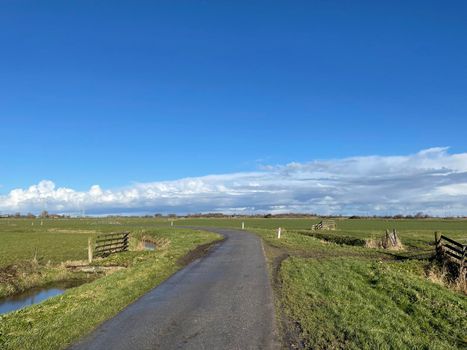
(296, 243)
(57, 322)
(343, 296)
(358, 304)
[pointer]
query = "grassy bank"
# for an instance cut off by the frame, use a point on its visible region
(20, 277)
(57, 322)
(343, 296)
(358, 304)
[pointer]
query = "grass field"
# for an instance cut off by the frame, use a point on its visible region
(414, 233)
(58, 240)
(342, 224)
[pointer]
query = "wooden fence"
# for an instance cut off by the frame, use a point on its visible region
(324, 225)
(109, 243)
(453, 251)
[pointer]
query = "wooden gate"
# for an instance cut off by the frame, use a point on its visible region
(453, 251)
(110, 243)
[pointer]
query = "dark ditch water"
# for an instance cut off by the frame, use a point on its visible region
(35, 295)
(149, 245)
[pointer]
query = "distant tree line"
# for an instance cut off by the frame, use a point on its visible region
(419, 215)
(44, 214)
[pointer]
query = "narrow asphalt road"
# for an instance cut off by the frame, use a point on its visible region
(221, 301)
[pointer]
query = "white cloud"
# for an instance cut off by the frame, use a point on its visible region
(433, 181)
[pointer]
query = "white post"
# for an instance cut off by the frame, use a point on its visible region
(89, 250)
(279, 233)
(172, 223)
(243, 225)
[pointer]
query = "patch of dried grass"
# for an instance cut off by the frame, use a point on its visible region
(444, 276)
(389, 241)
(59, 230)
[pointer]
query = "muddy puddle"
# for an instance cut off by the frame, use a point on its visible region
(149, 245)
(35, 295)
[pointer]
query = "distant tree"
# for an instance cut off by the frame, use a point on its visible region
(44, 214)
(267, 216)
(31, 216)
(17, 215)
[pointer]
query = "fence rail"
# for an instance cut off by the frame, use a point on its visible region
(110, 243)
(453, 251)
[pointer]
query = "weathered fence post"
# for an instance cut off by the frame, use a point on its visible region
(243, 225)
(279, 233)
(34, 259)
(90, 250)
(437, 245)
(394, 238)
(385, 240)
(462, 266)
(171, 223)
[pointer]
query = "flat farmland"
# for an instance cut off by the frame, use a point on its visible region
(58, 240)
(332, 291)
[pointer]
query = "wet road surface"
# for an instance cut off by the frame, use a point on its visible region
(221, 301)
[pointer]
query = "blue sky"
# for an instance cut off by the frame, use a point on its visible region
(115, 93)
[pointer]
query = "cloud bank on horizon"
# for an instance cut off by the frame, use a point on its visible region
(432, 181)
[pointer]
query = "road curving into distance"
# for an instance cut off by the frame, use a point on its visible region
(220, 301)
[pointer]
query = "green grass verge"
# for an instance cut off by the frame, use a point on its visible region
(350, 297)
(357, 304)
(296, 243)
(57, 322)
(336, 237)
